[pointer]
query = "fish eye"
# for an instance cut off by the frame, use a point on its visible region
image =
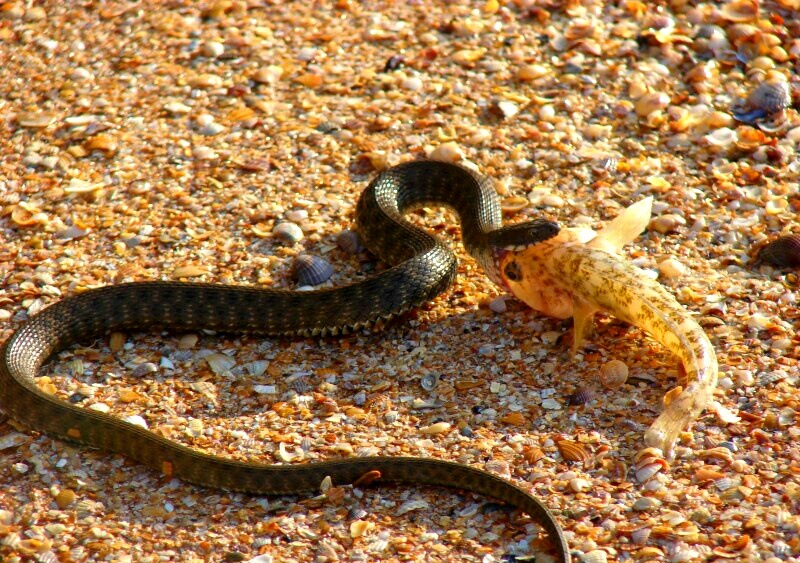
(512, 271)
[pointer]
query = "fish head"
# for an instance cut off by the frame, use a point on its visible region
(527, 273)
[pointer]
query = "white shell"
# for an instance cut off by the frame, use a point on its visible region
(288, 232)
(430, 381)
(219, 363)
(594, 556)
(136, 420)
(722, 137)
(410, 505)
(257, 367)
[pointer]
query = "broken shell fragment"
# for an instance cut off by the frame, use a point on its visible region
(311, 270)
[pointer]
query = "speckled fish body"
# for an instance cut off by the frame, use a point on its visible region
(578, 273)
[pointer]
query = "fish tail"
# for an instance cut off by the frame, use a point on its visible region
(602, 281)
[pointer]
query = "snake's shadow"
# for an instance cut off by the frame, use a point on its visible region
(506, 375)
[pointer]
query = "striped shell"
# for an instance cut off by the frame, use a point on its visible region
(783, 252)
(311, 270)
(572, 451)
(580, 397)
(350, 242)
(772, 95)
(613, 374)
(594, 556)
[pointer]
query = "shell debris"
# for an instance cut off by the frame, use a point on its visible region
(229, 141)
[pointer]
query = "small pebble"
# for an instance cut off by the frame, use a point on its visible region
(212, 49)
(412, 83)
(666, 223)
(672, 268)
(498, 304)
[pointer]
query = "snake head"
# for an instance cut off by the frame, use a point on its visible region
(513, 239)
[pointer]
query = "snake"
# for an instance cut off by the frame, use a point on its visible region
(420, 267)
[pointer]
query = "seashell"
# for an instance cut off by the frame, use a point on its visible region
(580, 397)
(36, 120)
(288, 232)
(613, 374)
(136, 420)
(435, 428)
(430, 381)
(718, 453)
(409, 505)
(11, 540)
(740, 10)
(572, 451)
(64, 498)
(301, 386)
(706, 473)
(219, 363)
(640, 535)
(447, 152)
(579, 485)
(771, 95)
(356, 513)
(725, 483)
(194, 428)
(498, 467)
(26, 215)
(723, 137)
(646, 472)
(311, 270)
(772, 377)
(350, 242)
(514, 203)
(256, 368)
(144, 369)
(513, 418)
(646, 503)
(594, 556)
(47, 557)
(650, 103)
(189, 271)
(750, 138)
(377, 546)
(783, 252)
(498, 304)
(87, 507)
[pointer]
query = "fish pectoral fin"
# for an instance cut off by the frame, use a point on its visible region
(582, 323)
(625, 227)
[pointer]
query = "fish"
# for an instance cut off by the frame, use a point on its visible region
(580, 272)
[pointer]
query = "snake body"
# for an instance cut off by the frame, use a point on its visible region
(423, 268)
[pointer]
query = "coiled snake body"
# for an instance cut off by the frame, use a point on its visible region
(424, 268)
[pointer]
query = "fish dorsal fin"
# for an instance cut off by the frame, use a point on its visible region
(625, 227)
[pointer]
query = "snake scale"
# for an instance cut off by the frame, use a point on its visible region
(423, 267)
